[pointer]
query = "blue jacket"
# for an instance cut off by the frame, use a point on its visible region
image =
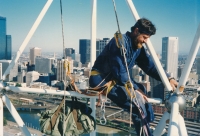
(111, 60)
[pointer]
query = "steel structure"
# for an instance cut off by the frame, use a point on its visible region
(175, 102)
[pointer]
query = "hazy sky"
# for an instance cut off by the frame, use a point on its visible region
(179, 18)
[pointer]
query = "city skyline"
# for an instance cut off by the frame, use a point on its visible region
(171, 18)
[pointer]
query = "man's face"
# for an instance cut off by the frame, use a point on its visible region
(139, 39)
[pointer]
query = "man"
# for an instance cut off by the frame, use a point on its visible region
(110, 66)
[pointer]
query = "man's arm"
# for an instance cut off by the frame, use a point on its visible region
(145, 62)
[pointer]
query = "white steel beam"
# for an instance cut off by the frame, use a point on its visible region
(161, 125)
(60, 92)
(93, 53)
(181, 124)
(189, 62)
(1, 117)
(93, 33)
(173, 124)
(15, 115)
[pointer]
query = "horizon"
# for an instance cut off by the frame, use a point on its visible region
(172, 19)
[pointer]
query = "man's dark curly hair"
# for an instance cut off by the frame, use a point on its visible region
(144, 27)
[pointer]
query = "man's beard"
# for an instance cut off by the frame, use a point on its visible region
(137, 44)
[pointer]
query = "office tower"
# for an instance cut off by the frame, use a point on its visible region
(134, 71)
(77, 64)
(101, 45)
(84, 50)
(43, 65)
(44, 78)
(60, 68)
(13, 72)
(21, 77)
(5, 41)
(33, 53)
(157, 88)
(0, 70)
(198, 66)
(180, 69)
(170, 55)
(76, 56)
(69, 51)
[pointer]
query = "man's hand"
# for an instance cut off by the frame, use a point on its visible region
(173, 83)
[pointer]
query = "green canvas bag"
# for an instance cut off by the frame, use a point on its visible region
(77, 119)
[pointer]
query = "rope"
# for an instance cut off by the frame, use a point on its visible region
(116, 15)
(64, 56)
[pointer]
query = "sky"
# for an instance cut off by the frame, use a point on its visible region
(176, 18)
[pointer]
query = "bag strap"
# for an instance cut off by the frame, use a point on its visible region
(75, 113)
(55, 116)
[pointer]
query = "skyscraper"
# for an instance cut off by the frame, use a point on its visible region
(76, 57)
(33, 53)
(157, 88)
(101, 45)
(43, 65)
(170, 55)
(198, 66)
(69, 51)
(84, 50)
(5, 41)
(13, 72)
(0, 70)
(60, 68)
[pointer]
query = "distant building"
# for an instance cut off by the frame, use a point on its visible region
(193, 79)
(198, 66)
(77, 64)
(85, 46)
(180, 69)
(84, 50)
(44, 78)
(5, 41)
(69, 51)
(31, 77)
(43, 65)
(76, 57)
(134, 71)
(30, 67)
(21, 77)
(33, 53)
(0, 70)
(189, 113)
(191, 94)
(138, 78)
(13, 72)
(87, 72)
(100, 45)
(157, 89)
(170, 54)
(60, 68)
